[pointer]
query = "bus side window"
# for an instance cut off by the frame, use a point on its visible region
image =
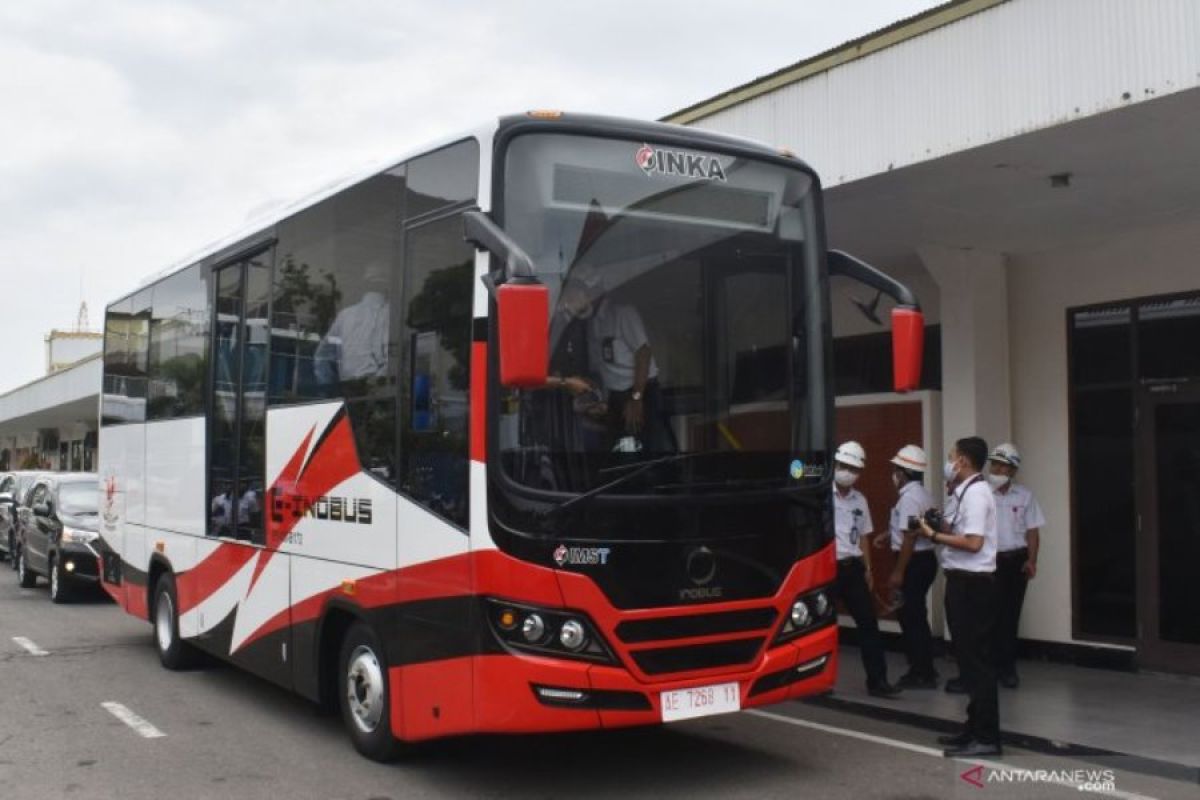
(439, 272)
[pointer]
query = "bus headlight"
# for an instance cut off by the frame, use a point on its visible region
(554, 632)
(801, 616)
(810, 611)
(533, 629)
(572, 635)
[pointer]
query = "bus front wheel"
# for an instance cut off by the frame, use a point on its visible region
(363, 694)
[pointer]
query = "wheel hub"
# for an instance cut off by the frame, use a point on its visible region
(364, 689)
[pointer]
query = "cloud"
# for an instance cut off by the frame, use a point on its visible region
(136, 131)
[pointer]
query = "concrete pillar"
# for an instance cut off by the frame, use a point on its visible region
(976, 394)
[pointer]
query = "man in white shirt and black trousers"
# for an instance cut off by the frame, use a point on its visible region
(1019, 521)
(851, 522)
(966, 542)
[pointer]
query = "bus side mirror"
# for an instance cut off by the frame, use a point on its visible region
(523, 322)
(908, 323)
(522, 304)
(908, 348)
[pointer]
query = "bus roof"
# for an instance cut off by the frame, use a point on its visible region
(261, 223)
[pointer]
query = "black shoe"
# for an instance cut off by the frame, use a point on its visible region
(957, 740)
(956, 686)
(973, 749)
(1009, 680)
(910, 680)
(884, 690)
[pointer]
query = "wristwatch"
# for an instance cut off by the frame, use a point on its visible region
(636, 395)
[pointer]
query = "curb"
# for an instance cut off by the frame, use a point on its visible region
(1039, 744)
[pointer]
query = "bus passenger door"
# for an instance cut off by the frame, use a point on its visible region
(243, 595)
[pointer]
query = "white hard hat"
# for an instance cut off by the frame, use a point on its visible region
(912, 458)
(1006, 454)
(851, 454)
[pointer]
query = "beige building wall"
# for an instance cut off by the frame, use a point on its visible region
(1041, 287)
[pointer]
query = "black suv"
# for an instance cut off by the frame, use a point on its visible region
(14, 489)
(58, 532)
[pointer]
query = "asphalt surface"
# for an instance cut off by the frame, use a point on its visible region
(222, 733)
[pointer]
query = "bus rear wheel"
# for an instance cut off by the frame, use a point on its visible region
(174, 653)
(364, 696)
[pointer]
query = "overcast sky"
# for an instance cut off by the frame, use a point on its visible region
(135, 132)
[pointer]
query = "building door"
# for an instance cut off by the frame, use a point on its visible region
(1169, 526)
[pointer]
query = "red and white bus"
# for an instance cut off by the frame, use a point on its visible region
(529, 431)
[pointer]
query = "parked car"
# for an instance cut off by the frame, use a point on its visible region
(58, 532)
(14, 489)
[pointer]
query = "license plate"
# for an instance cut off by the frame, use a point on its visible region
(701, 701)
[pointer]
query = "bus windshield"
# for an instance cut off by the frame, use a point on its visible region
(686, 302)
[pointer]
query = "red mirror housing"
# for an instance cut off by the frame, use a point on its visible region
(908, 347)
(523, 311)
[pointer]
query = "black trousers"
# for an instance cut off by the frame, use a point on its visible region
(852, 588)
(914, 614)
(1011, 583)
(971, 615)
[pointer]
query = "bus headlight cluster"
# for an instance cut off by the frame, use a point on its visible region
(546, 631)
(810, 611)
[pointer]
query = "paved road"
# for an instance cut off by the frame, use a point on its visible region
(225, 734)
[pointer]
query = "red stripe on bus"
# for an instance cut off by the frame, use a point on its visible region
(195, 585)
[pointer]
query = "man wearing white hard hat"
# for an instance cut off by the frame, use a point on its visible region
(916, 566)
(851, 522)
(1019, 521)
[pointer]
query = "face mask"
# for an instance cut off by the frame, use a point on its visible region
(845, 478)
(998, 481)
(949, 471)
(897, 481)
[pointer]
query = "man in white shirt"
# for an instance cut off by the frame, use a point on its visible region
(916, 566)
(619, 352)
(1019, 521)
(967, 551)
(355, 347)
(851, 522)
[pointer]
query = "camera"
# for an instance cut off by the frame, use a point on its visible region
(934, 519)
(914, 523)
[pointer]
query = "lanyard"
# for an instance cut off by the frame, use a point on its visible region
(958, 497)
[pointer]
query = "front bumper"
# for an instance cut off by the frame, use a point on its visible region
(80, 562)
(508, 701)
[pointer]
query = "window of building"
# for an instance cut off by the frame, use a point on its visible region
(863, 364)
(179, 328)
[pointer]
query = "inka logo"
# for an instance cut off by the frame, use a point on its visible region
(109, 512)
(679, 164)
(335, 509)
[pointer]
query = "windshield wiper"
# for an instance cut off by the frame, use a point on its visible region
(637, 469)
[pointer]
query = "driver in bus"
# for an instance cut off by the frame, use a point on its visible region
(620, 352)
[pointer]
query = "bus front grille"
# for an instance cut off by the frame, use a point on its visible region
(684, 627)
(662, 660)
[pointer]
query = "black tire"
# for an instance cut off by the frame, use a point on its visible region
(59, 589)
(26, 577)
(367, 717)
(174, 653)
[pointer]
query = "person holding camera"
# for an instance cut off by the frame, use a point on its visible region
(916, 566)
(851, 522)
(1018, 520)
(965, 536)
